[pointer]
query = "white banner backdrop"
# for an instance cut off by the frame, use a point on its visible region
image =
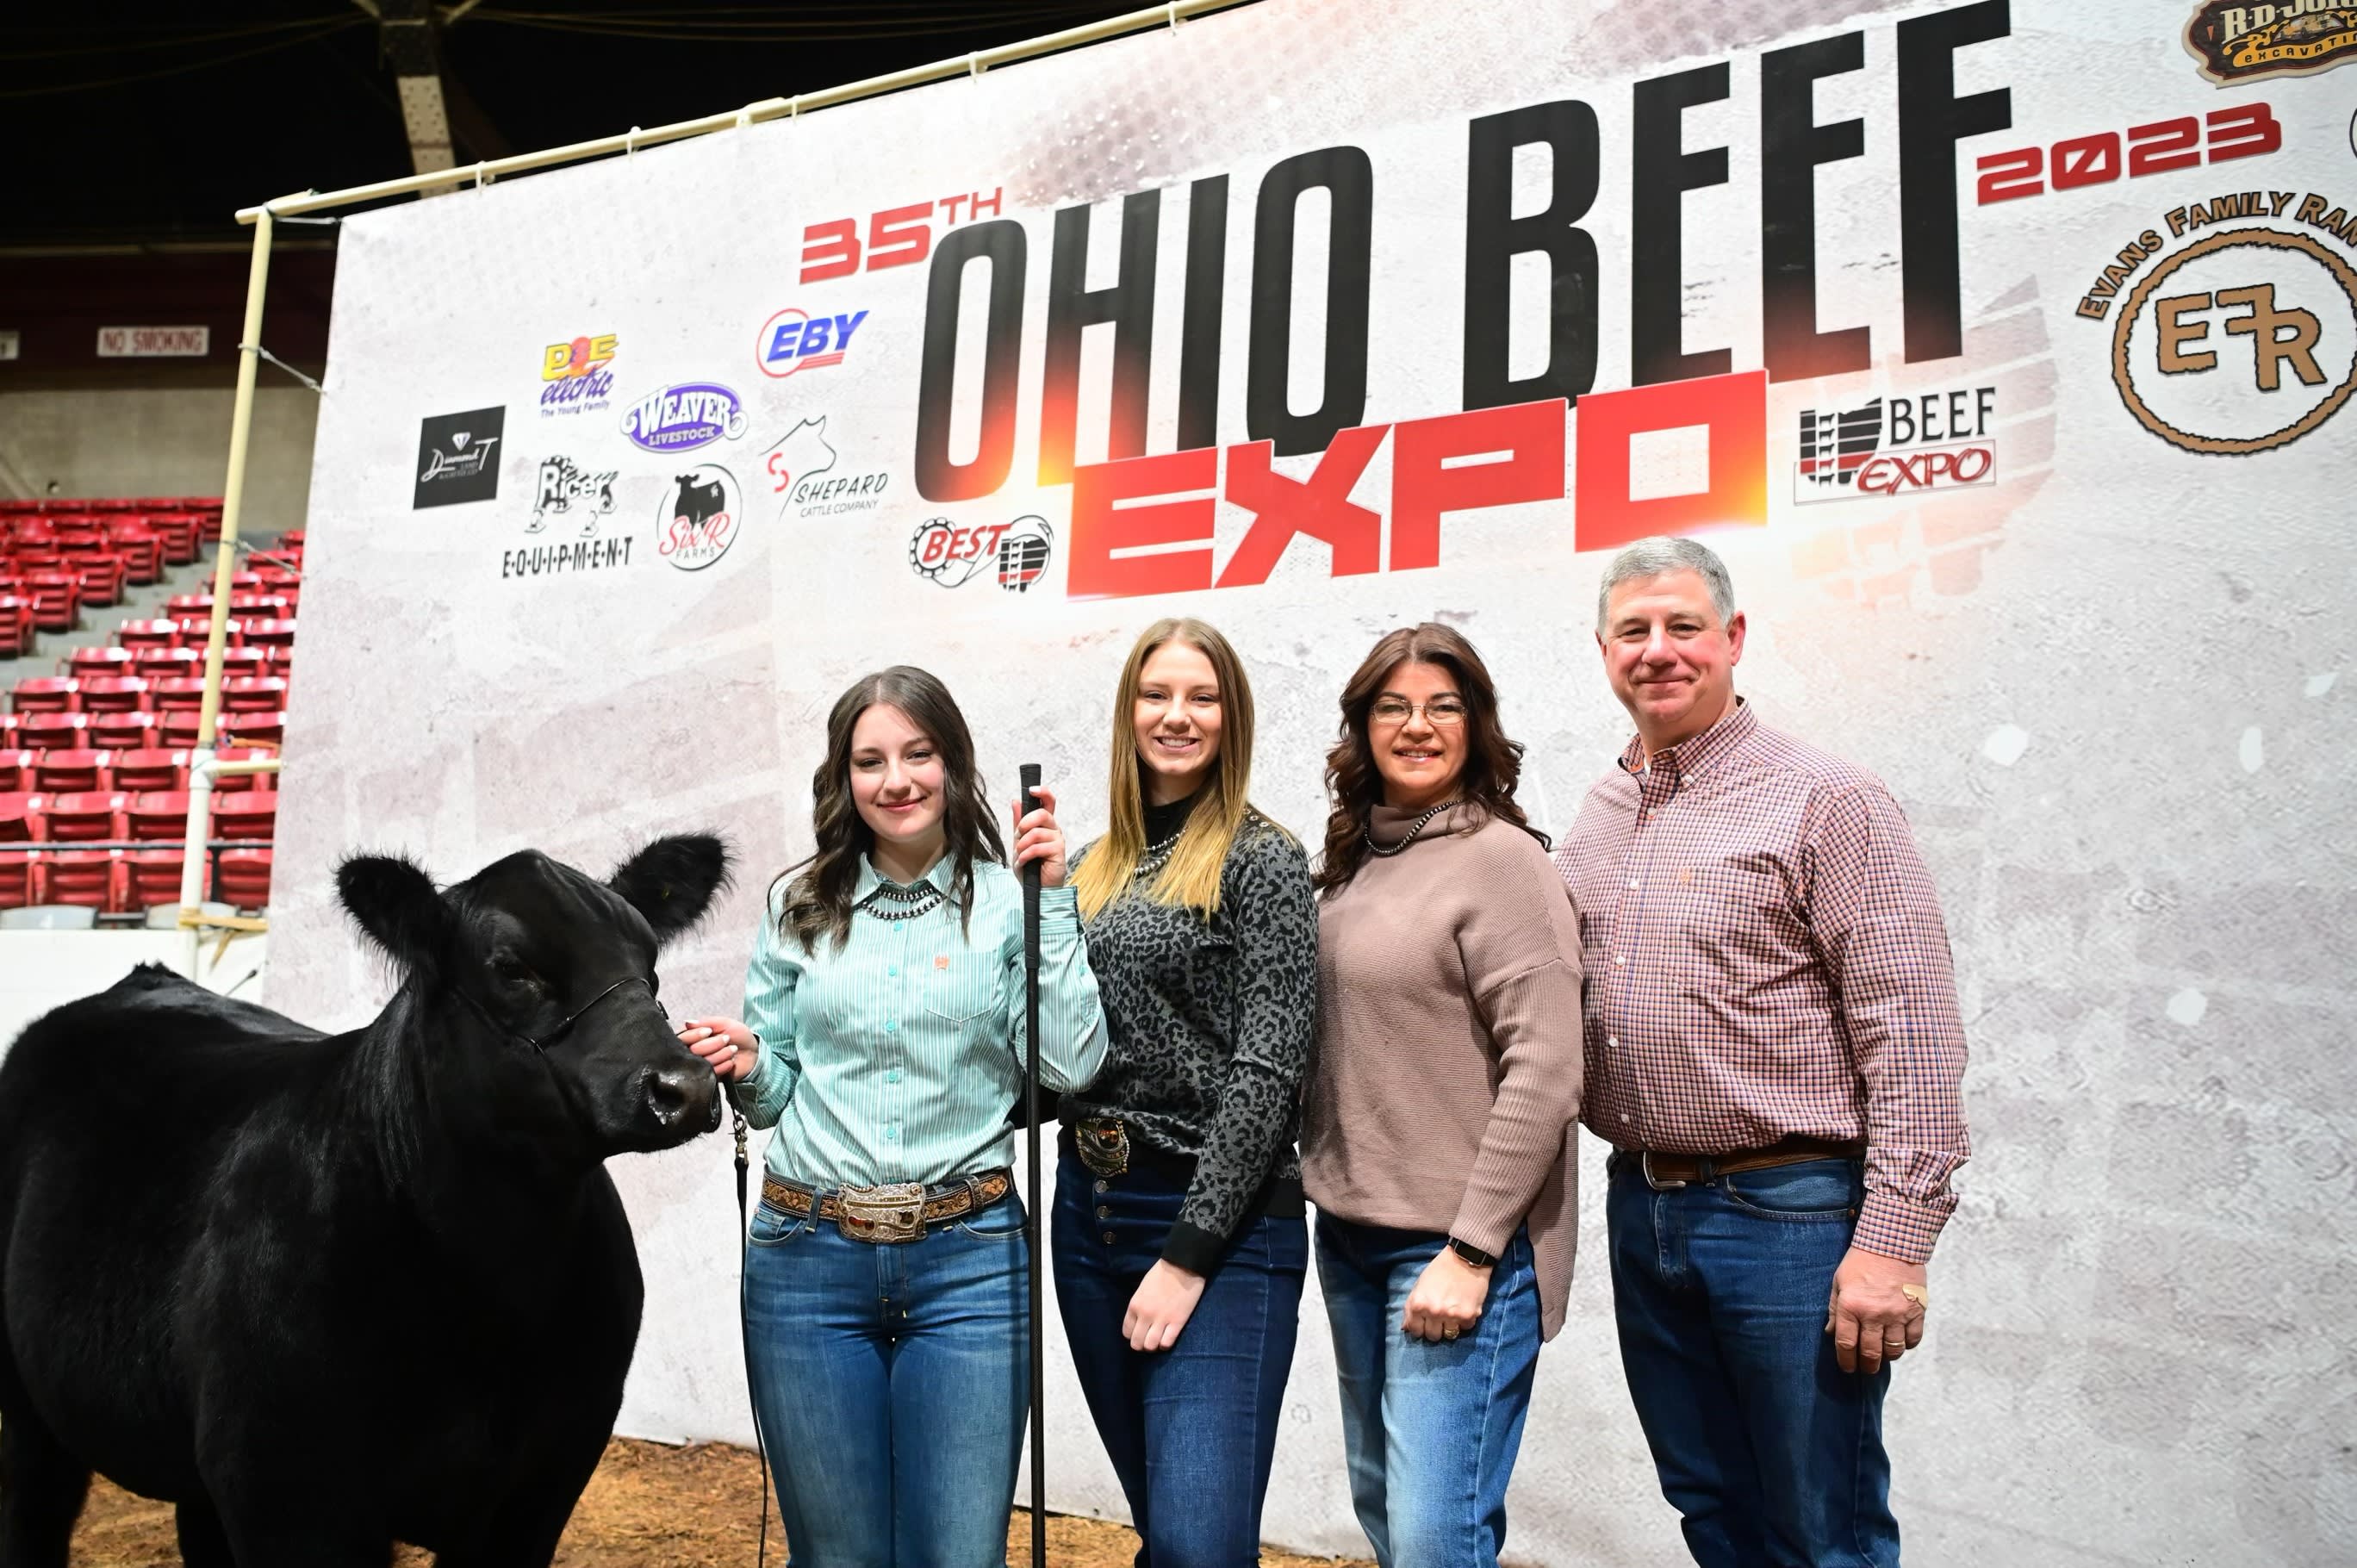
(2002, 353)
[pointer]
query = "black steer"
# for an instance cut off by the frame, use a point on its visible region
(330, 1292)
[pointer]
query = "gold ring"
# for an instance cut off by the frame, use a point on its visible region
(1448, 1333)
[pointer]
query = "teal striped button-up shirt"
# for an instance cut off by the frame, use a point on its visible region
(897, 1057)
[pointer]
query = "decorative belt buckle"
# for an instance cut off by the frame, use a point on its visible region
(892, 1213)
(1103, 1144)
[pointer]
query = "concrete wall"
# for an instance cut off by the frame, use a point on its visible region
(41, 970)
(158, 441)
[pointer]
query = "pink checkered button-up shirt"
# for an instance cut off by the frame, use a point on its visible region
(1766, 958)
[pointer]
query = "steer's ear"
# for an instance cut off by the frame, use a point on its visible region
(397, 905)
(672, 881)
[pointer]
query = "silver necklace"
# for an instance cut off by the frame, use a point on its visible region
(892, 902)
(1367, 833)
(1157, 855)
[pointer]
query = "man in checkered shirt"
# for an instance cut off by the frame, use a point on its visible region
(1773, 1051)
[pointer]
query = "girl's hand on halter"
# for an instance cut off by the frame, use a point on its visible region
(1037, 837)
(729, 1049)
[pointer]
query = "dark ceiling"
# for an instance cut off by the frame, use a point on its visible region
(152, 121)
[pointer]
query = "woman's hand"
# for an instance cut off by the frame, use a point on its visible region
(1037, 837)
(729, 1049)
(1166, 1299)
(1448, 1297)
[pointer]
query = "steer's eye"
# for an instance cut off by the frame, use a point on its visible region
(512, 971)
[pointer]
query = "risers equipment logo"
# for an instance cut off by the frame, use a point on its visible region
(566, 488)
(1936, 441)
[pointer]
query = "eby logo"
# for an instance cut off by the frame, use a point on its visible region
(793, 339)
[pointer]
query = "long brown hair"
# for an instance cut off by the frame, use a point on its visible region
(818, 900)
(1493, 764)
(1191, 877)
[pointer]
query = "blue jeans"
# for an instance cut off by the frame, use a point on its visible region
(892, 1382)
(1431, 1430)
(1191, 1431)
(1771, 1453)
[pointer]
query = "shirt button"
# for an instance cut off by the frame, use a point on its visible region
(1624, 1118)
(892, 1135)
(893, 970)
(892, 1076)
(1632, 888)
(895, 925)
(1612, 1041)
(892, 1024)
(1616, 957)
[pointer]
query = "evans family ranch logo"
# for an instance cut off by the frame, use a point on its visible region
(684, 417)
(578, 376)
(699, 519)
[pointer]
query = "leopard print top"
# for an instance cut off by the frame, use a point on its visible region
(1212, 1025)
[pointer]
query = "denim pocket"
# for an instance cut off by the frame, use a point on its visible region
(1002, 1221)
(773, 1227)
(1810, 1189)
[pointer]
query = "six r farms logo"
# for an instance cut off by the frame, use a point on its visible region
(800, 466)
(794, 339)
(947, 553)
(683, 417)
(699, 519)
(578, 376)
(1939, 441)
(2243, 338)
(566, 488)
(457, 457)
(2293, 37)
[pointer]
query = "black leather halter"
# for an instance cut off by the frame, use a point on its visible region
(541, 1042)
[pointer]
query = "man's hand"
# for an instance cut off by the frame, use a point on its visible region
(1872, 1318)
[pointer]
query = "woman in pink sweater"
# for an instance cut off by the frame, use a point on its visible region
(1436, 1134)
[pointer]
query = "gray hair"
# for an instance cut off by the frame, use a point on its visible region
(1651, 557)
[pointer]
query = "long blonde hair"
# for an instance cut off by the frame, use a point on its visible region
(1191, 877)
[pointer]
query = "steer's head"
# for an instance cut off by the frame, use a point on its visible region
(543, 981)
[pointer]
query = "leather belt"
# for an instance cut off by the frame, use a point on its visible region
(1666, 1172)
(897, 1211)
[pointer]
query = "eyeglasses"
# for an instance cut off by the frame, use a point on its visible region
(1441, 713)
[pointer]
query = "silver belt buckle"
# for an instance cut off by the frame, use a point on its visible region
(1645, 1163)
(892, 1213)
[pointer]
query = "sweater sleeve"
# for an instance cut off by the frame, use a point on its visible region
(1276, 1025)
(1521, 951)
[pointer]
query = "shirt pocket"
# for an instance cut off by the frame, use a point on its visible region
(960, 987)
(1739, 916)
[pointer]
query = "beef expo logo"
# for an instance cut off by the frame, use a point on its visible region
(794, 340)
(684, 417)
(2236, 335)
(578, 376)
(699, 519)
(1888, 446)
(457, 457)
(2293, 37)
(566, 489)
(801, 465)
(952, 555)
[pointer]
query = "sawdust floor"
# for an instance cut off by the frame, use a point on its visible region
(648, 1507)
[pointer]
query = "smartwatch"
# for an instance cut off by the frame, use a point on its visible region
(1474, 1255)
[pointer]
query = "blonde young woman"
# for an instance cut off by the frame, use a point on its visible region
(1179, 1241)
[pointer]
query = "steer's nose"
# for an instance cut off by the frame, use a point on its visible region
(684, 1097)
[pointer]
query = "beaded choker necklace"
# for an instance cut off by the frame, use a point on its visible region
(892, 902)
(1367, 833)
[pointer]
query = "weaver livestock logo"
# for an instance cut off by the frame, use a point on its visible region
(568, 490)
(800, 466)
(2243, 338)
(698, 520)
(684, 417)
(2235, 43)
(1887, 446)
(457, 457)
(578, 375)
(794, 340)
(953, 554)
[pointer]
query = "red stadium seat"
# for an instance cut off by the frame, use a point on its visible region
(264, 607)
(16, 628)
(246, 814)
(123, 731)
(178, 728)
(113, 694)
(93, 878)
(257, 729)
(243, 663)
(52, 732)
(154, 875)
(69, 772)
(178, 532)
(103, 576)
(141, 549)
(254, 694)
(269, 633)
(246, 583)
(183, 606)
(243, 878)
(290, 540)
(57, 599)
(46, 694)
(150, 769)
(87, 663)
(84, 816)
(144, 635)
(198, 630)
(13, 764)
(178, 694)
(158, 814)
(15, 865)
(244, 781)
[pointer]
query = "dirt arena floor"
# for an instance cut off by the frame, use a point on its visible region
(648, 1507)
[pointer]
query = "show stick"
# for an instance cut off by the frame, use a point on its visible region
(1031, 775)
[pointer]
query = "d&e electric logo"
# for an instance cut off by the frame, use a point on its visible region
(457, 457)
(793, 339)
(578, 376)
(1935, 441)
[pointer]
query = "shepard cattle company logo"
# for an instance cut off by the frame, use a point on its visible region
(2291, 37)
(793, 341)
(684, 417)
(578, 376)
(458, 457)
(698, 520)
(951, 555)
(1896, 445)
(802, 467)
(2242, 338)
(567, 490)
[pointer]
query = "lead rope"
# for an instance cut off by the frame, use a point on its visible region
(745, 1332)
